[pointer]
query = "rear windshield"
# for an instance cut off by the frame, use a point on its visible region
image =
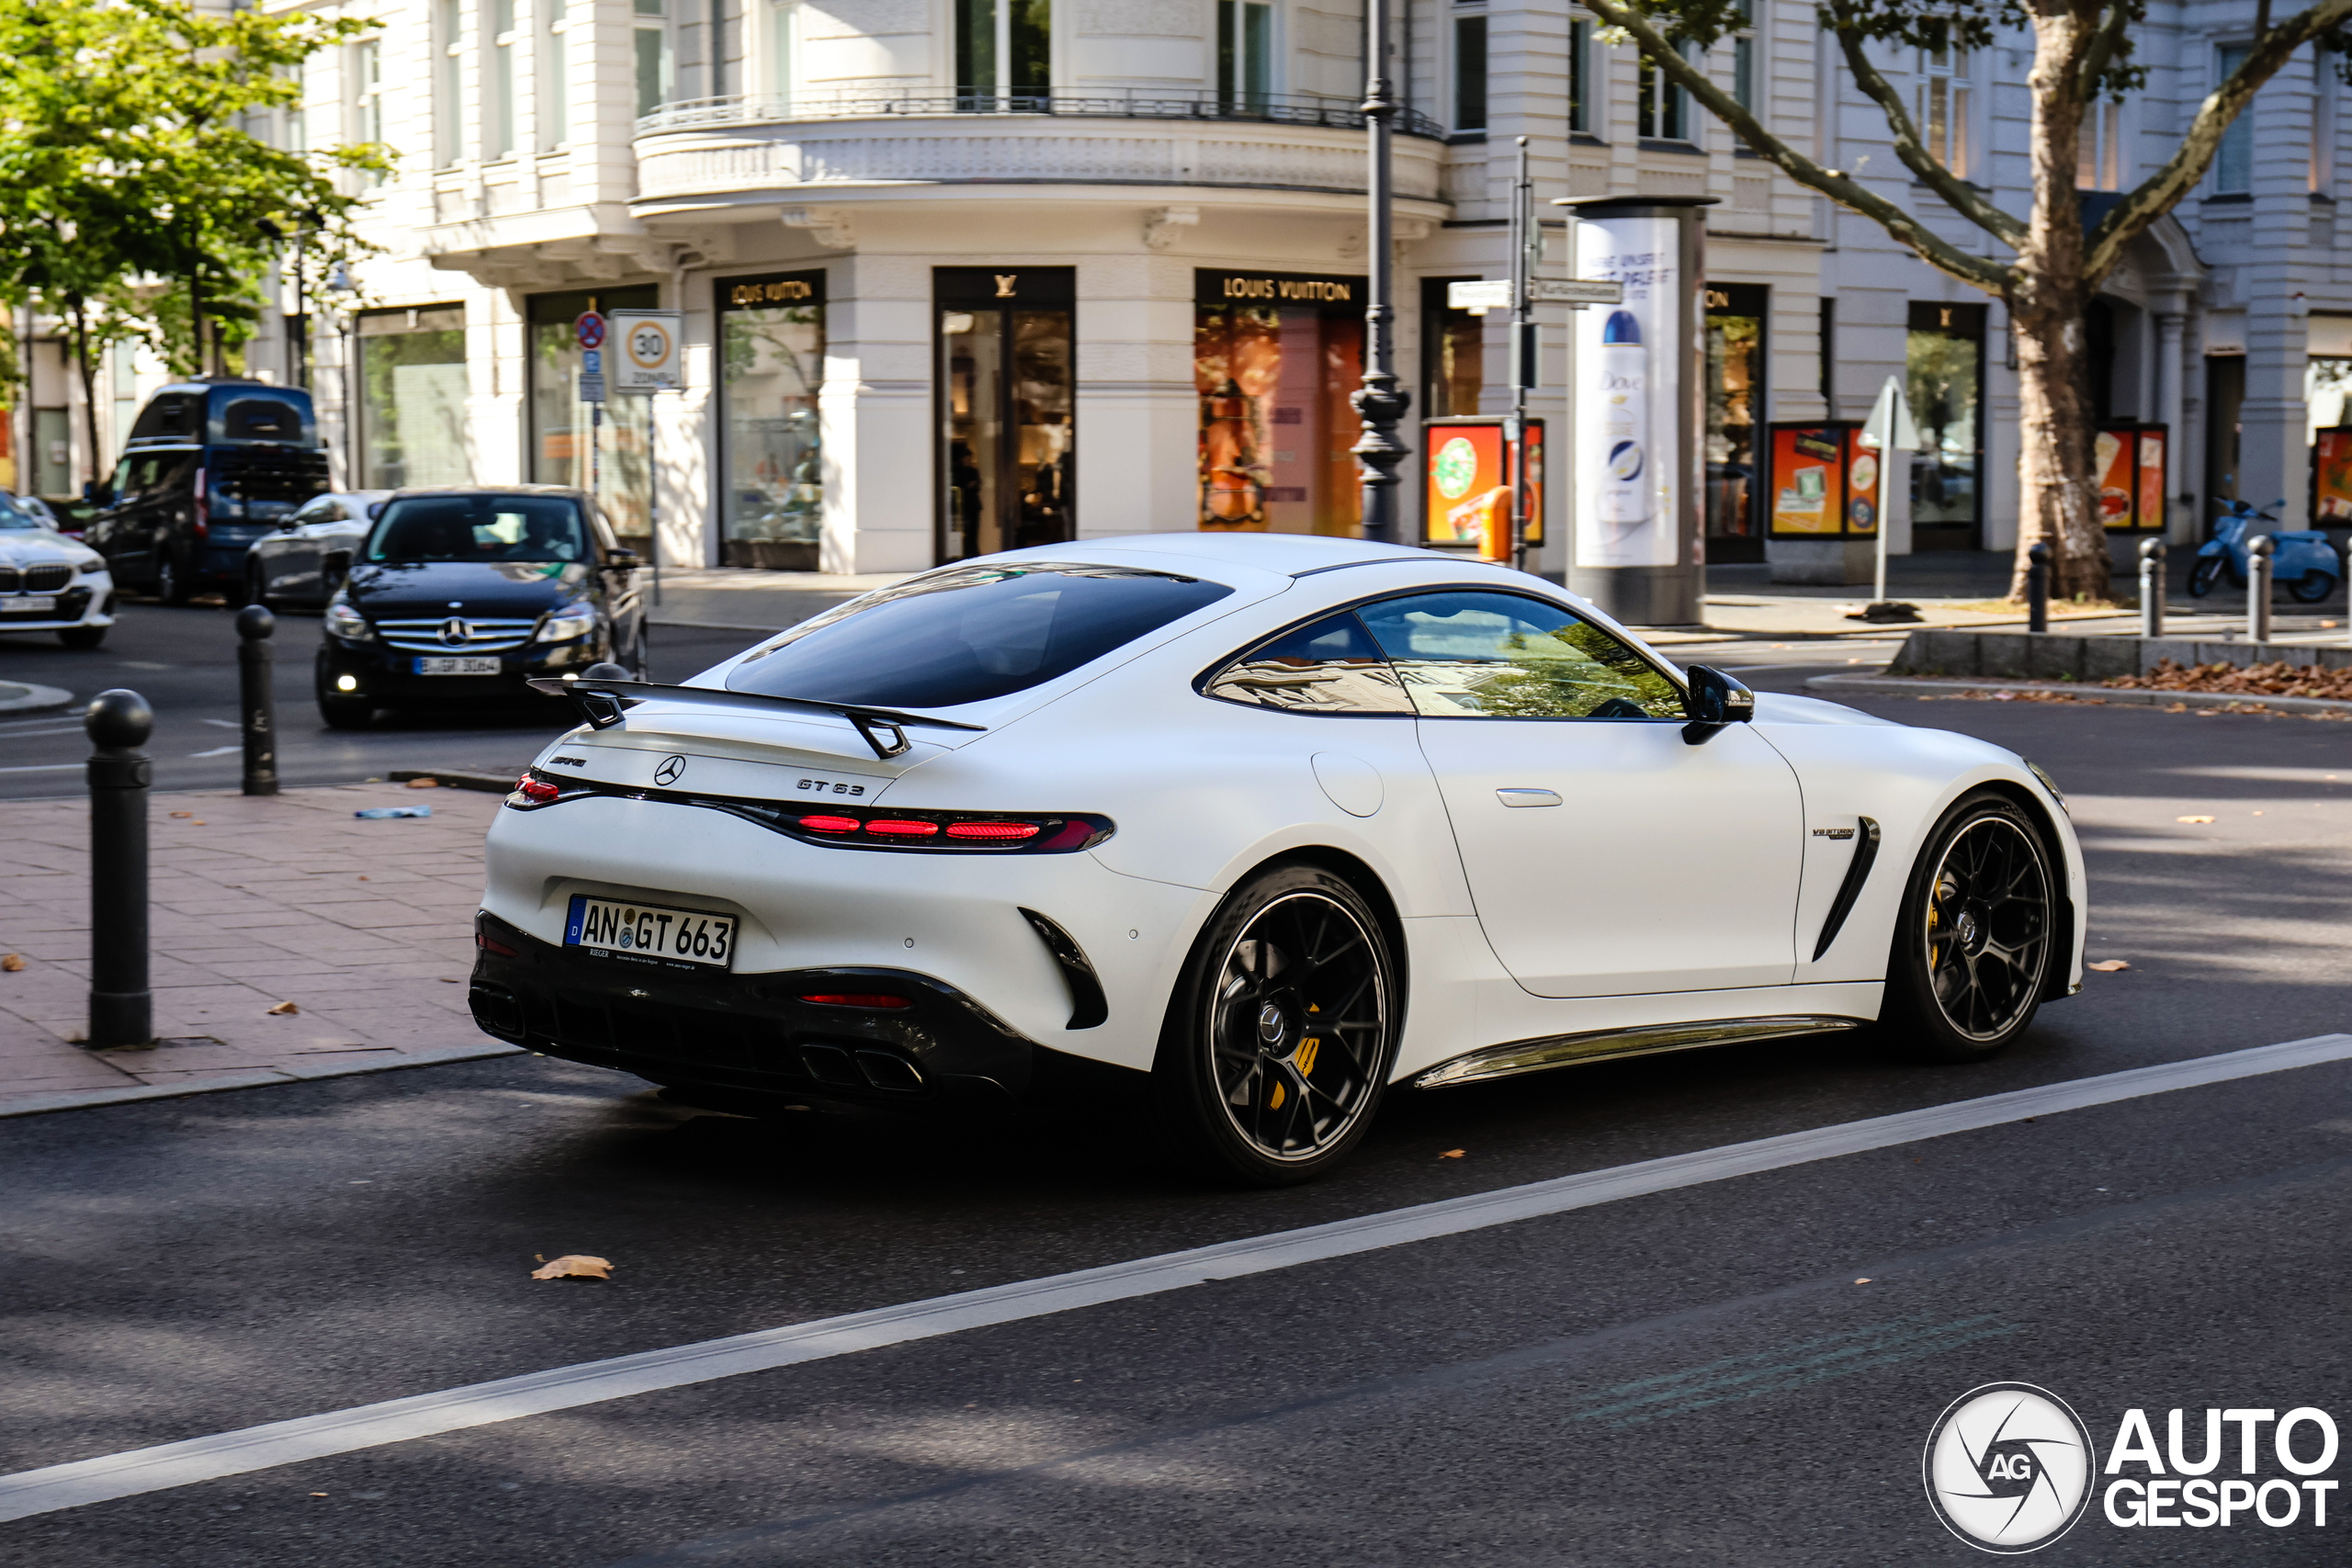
(969, 634)
(261, 419)
(478, 528)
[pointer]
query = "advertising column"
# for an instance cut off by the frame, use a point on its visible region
(1640, 386)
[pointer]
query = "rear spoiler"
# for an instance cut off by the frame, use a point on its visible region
(599, 702)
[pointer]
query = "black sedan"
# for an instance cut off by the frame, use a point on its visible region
(465, 595)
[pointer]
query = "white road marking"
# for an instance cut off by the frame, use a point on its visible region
(167, 1465)
(216, 751)
(223, 723)
(45, 768)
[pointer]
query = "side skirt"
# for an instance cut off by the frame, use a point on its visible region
(1566, 1050)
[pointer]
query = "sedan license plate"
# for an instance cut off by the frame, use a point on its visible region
(29, 606)
(456, 666)
(615, 927)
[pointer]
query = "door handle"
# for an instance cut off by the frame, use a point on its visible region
(1528, 797)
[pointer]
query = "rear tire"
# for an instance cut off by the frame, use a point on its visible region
(1976, 937)
(81, 637)
(2311, 587)
(171, 582)
(1280, 1034)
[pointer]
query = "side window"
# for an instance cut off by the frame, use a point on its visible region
(125, 483)
(1473, 655)
(1329, 666)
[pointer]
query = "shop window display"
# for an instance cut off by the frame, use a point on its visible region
(1736, 314)
(1274, 359)
(563, 435)
(413, 397)
(771, 362)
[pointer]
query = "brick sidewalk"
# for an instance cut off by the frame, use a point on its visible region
(366, 927)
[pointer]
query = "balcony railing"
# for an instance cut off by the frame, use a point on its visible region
(1336, 114)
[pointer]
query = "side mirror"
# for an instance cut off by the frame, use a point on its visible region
(1716, 700)
(375, 510)
(334, 566)
(97, 492)
(621, 559)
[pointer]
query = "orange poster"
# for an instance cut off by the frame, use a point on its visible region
(1808, 480)
(1469, 481)
(2151, 513)
(2112, 461)
(2331, 476)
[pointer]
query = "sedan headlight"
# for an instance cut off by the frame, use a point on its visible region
(343, 621)
(562, 626)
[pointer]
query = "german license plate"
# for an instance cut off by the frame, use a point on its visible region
(615, 927)
(29, 606)
(456, 666)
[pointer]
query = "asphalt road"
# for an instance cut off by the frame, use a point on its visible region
(184, 661)
(1696, 1375)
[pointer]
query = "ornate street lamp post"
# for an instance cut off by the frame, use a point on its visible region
(1380, 402)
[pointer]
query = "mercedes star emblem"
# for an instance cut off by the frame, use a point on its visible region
(454, 633)
(667, 773)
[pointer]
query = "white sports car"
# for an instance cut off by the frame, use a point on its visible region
(1260, 824)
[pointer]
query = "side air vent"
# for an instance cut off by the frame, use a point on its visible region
(1857, 873)
(1088, 1006)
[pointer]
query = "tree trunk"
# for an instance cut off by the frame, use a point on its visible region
(2058, 499)
(89, 388)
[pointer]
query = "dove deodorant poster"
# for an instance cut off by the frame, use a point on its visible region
(1636, 374)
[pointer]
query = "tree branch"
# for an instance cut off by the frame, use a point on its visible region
(1938, 252)
(1957, 193)
(2102, 50)
(2160, 191)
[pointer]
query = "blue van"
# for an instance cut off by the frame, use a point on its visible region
(213, 465)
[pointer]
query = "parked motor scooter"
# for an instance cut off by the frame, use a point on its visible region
(2303, 563)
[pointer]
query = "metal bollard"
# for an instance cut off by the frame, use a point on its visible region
(2258, 588)
(256, 699)
(2037, 589)
(121, 1007)
(2152, 588)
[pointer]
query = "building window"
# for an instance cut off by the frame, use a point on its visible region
(413, 397)
(2233, 162)
(1737, 314)
(1580, 78)
(772, 361)
(449, 82)
(498, 125)
(1743, 58)
(1470, 72)
(656, 68)
(784, 21)
(1274, 356)
(368, 96)
(1004, 48)
(1454, 354)
(1945, 100)
(554, 118)
(1661, 109)
(1245, 55)
(564, 438)
(1944, 362)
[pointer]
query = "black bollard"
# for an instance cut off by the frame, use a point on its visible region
(256, 702)
(121, 1007)
(2037, 589)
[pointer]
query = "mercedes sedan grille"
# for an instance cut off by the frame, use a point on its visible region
(455, 634)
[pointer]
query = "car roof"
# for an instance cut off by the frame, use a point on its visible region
(1282, 555)
(488, 489)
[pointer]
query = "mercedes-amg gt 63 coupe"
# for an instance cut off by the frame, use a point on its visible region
(1258, 825)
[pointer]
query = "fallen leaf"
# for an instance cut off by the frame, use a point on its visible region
(1861, 1281)
(449, 980)
(183, 813)
(2109, 965)
(11, 962)
(363, 879)
(318, 1493)
(284, 1010)
(424, 784)
(574, 1266)
(2192, 819)
(196, 821)
(2257, 814)
(1454, 1154)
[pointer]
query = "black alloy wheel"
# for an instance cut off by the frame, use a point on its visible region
(1977, 937)
(256, 592)
(1281, 1032)
(173, 583)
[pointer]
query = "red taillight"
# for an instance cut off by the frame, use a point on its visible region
(900, 828)
(490, 944)
(832, 824)
(536, 789)
(992, 830)
(875, 1000)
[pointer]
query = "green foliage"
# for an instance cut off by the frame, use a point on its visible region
(125, 160)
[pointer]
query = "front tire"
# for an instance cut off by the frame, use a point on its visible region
(1976, 937)
(2205, 576)
(1280, 1034)
(173, 583)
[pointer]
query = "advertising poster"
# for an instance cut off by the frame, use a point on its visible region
(2151, 511)
(1467, 469)
(1808, 480)
(1631, 422)
(2114, 458)
(2331, 477)
(1864, 470)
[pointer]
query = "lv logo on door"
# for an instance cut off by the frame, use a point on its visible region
(1005, 283)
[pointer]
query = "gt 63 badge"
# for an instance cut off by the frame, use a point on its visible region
(2009, 1468)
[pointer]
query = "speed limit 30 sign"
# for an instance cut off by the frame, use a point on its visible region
(645, 352)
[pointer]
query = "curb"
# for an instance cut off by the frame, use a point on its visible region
(455, 778)
(251, 1078)
(1895, 686)
(33, 699)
